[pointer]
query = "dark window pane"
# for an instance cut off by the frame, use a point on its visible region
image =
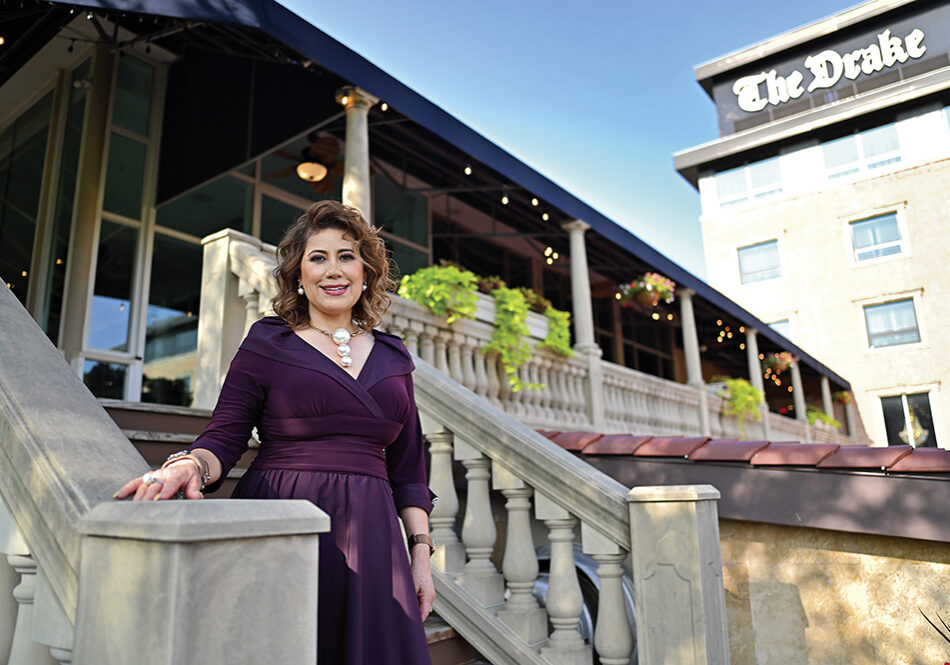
(133, 93)
(225, 203)
(22, 155)
(65, 196)
(407, 259)
(276, 218)
(124, 174)
(171, 334)
(893, 419)
(401, 213)
(111, 305)
(105, 379)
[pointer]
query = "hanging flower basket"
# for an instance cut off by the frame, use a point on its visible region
(648, 290)
(776, 363)
(842, 397)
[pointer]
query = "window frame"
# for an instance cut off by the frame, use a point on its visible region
(903, 243)
(899, 298)
(932, 393)
(863, 164)
(750, 194)
(778, 254)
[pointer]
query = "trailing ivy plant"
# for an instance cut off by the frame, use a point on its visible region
(511, 328)
(742, 402)
(558, 338)
(446, 290)
(816, 415)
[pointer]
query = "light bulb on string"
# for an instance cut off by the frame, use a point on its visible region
(468, 170)
(534, 201)
(545, 217)
(384, 107)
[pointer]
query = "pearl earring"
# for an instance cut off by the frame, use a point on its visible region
(365, 286)
(299, 289)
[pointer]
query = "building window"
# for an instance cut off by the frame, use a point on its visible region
(908, 420)
(783, 328)
(876, 237)
(759, 262)
(748, 183)
(866, 151)
(891, 323)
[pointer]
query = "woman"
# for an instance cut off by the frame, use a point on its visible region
(332, 400)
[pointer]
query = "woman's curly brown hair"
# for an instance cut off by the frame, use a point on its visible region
(373, 303)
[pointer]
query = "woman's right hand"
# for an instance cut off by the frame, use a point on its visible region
(181, 476)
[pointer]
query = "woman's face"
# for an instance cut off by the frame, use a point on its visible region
(331, 273)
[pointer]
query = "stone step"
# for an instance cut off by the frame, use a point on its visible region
(447, 647)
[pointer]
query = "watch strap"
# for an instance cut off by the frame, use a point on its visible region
(418, 538)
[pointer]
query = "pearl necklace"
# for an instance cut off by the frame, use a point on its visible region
(341, 337)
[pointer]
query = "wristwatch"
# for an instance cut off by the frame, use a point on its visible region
(417, 538)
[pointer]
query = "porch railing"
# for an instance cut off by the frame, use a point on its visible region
(237, 289)
(100, 581)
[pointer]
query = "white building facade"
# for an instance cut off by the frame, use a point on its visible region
(826, 202)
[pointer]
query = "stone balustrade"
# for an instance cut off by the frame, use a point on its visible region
(237, 285)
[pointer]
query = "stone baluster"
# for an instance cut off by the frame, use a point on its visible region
(520, 563)
(547, 394)
(481, 373)
(16, 633)
(455, 358)
(516, 399)
(411, 338)
(505, 394)
(397, 326)
(579, 397)
(494, 382)
(427, 346)
(479, 576)
(24, 651)
(441, 358)
(564, 601)
(613, 637)
(449, 553)
(532, 369)
(555, 376)
(467, 361)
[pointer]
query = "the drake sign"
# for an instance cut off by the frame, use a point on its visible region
(825, 69)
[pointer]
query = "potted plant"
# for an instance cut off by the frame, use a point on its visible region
(648, 290)
(818, 417)
(742, 401)
(776, 363)
(842, 397)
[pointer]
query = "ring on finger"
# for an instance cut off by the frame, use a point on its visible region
(150, 478)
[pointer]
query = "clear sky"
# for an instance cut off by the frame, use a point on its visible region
(597, 96)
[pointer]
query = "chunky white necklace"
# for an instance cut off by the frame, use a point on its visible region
(341, 337)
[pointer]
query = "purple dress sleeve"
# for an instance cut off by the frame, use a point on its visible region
(237, 412)
(405, 461)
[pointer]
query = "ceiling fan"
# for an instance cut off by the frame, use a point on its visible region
(320, 164)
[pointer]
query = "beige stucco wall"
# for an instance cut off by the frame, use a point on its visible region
(799, 595)
(822, 290)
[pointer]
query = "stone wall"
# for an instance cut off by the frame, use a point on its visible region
(797, 596)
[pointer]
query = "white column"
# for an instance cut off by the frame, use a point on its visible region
(356, 183)
(694, 368)
(798, 397)
(755, 375)
(584, 343)
(826, 402)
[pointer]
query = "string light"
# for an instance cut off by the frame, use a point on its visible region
(545, 217)
(468, 170)
(534, 201)
(548, 251)
(718, 322)
(617, 295)
(344, 100)
(549, 260)
(555, 256)
(504, 199)
(761, 356)
(742, 346)
(59, 262)
(384, 107)
(656, 316)
(23, 274)
(742, 329)
(2, 40)
(669, 317)
(790, 389)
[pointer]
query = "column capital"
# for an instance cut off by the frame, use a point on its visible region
(685, 293)
(351, 96)
(575, 225)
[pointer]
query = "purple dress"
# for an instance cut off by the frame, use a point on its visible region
(354, 448)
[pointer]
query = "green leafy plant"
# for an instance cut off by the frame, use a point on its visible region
(842, 397)
(446, 290)
(536, 302)
(742, 401)
(511, 328)
(488, 284)
(816, 415)
(558, 338)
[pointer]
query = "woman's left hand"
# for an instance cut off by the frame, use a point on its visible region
(422, 580)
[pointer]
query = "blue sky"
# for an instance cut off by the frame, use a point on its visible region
(596, 96)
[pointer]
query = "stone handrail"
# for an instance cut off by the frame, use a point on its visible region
(67, 540)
